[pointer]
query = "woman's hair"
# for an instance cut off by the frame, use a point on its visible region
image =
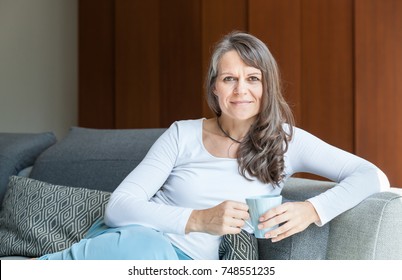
(261, 153)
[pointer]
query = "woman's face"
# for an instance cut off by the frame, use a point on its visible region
(238, 88)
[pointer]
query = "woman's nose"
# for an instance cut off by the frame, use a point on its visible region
(240, 87)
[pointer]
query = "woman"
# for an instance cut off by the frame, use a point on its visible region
(191, 187)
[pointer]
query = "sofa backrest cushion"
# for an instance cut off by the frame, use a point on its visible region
(19, 151)
(94, 158)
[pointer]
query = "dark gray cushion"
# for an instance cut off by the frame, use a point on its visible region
(18, 151)
(94, 158)
(310, 244)
(300, 189)
(38, 218)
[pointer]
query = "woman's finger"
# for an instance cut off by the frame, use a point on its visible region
(275, 212)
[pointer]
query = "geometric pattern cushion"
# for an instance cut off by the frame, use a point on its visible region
(38, 218)
(242, 246)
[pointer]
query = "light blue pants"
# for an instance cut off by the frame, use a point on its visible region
(133, 242)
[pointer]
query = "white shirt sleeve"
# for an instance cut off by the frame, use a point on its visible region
(357, 178)
(130, 202)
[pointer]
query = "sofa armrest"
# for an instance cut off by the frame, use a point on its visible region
(371, 230)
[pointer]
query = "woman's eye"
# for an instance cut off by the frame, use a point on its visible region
(254, 79)
(229, 79)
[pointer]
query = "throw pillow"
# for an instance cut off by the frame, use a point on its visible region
(38, 218)
(242, 246)
(18, 151)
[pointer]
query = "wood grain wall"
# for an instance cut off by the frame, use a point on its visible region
(143, 64)
(378, 84)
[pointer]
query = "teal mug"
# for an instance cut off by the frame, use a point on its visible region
(258, 205)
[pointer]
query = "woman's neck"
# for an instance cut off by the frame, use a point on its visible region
(236, 130)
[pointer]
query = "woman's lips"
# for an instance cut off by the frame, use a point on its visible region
(241, 102)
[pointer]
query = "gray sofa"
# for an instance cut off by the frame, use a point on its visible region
(52, 191)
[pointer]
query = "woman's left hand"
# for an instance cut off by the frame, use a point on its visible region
(294, 217)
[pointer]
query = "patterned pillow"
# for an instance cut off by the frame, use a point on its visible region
(38, 218)
(242, 246)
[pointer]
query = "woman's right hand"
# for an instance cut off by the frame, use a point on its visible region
(225, 218)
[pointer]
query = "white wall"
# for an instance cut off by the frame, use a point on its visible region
(38, 65)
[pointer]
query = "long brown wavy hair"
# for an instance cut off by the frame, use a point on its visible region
(261, 153)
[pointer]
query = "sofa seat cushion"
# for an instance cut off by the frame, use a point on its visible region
(38, 218)
(19, 151)
(310, 244)
(94, 158)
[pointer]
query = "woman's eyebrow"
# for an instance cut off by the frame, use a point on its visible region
(225, 73)
(248, 74)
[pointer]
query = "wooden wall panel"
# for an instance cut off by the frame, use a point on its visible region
(312, 41)
(137, 99)
(278, 24)
(327, 105)
(143, 64)
(96, 63)
(180, 64)
(378, 52)
(219, 18)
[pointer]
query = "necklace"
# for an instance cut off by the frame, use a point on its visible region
(226, 134)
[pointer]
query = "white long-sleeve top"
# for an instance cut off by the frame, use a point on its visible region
(178, 175)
